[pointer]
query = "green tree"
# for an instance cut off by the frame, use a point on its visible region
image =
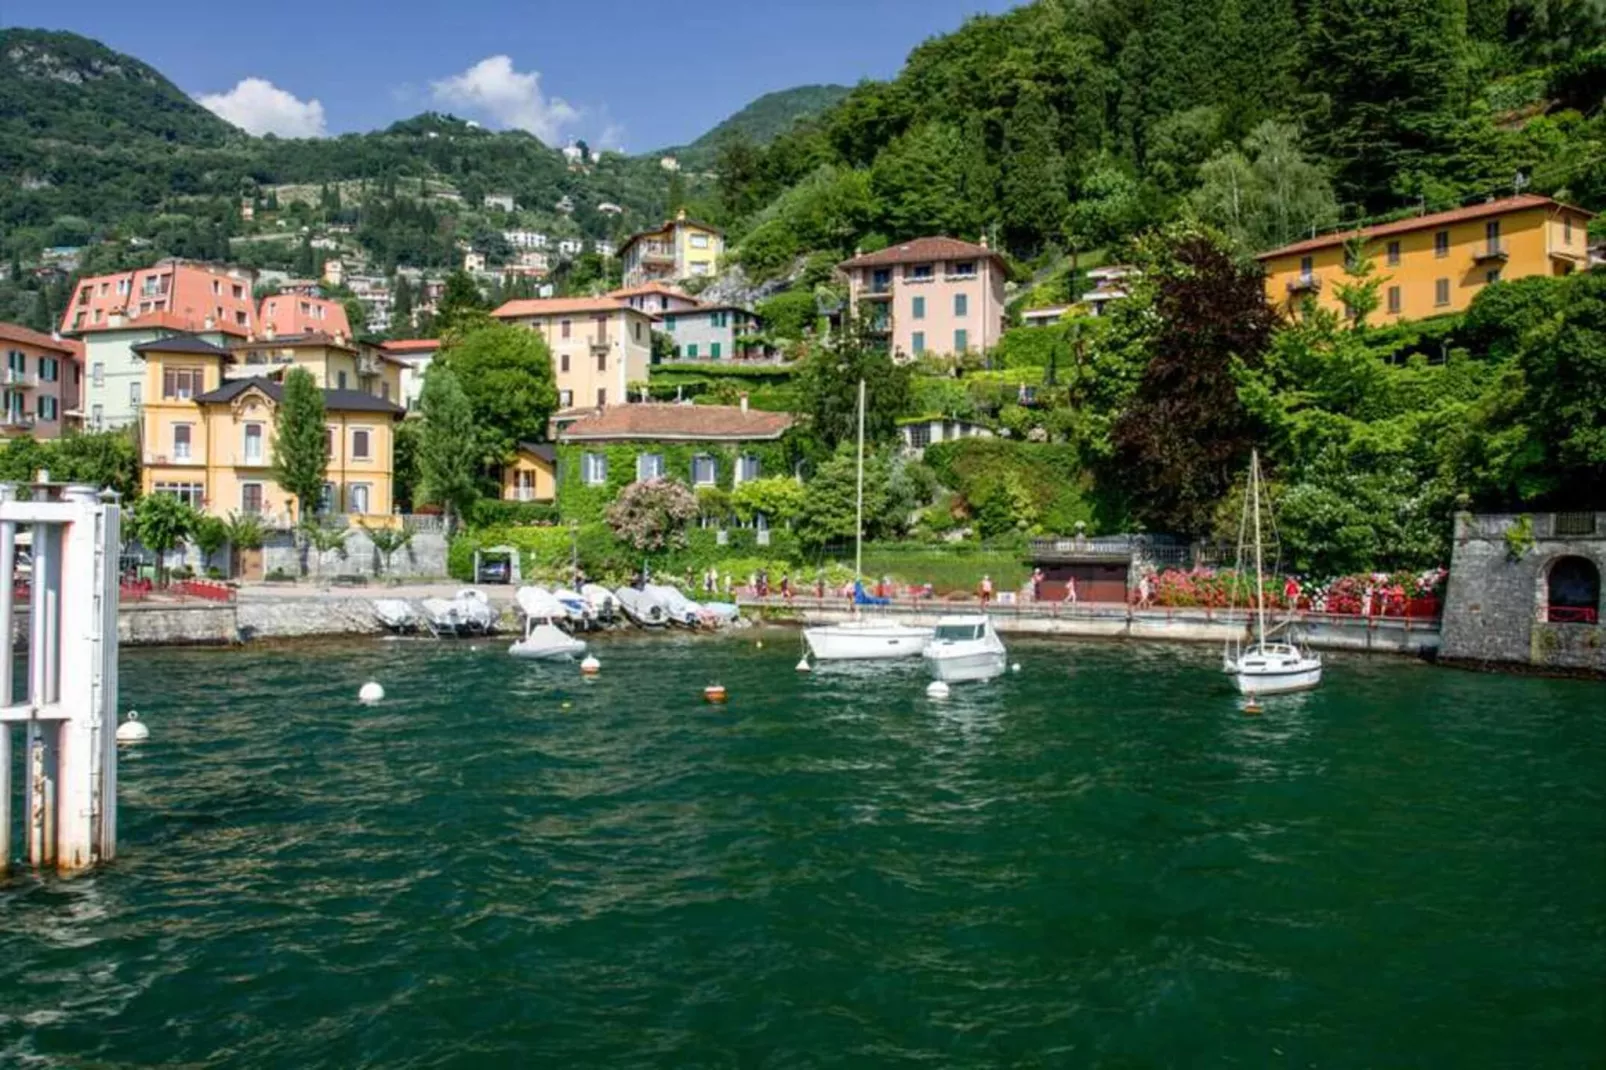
(1266, 194)
(779, 498)
(829, 511)
(106, 459)
(324, 540)
(1034, 201)
(209, 534)
(919, 184)
(448, 449)
(401, 307)
(306, 265)
(1362, 285)
(1184, 436)
(506, 374)
(163, 523)
(827, 382)
(245, 532)
(462, 306)
(301, 442)
(387, 541)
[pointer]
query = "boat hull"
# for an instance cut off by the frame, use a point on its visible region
(959, 668)
(835, 642)
(1277, 682)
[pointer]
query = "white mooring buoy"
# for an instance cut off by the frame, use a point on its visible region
(133, 730)
(371, 693)
(937, 689)
(804, 666)
(1015, 667)
(590, 666)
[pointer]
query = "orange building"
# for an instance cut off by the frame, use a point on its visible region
(1435, 264)
(188, 297)
(290, 314)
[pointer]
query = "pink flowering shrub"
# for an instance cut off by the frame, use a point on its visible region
(653, 514)
(1398, 594)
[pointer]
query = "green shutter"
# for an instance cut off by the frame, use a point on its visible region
(713, 350)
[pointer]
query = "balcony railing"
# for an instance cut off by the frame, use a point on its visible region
(367, 364)
(1493, 250)
(659, 253)
(20, 421)
(1304, 284)
(13, 377)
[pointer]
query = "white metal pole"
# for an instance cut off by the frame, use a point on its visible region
(858, 531)
(78, 756)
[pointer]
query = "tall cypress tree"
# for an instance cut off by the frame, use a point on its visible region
(300, 442)
(1033, 186)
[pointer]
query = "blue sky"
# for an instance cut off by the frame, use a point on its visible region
(620, 74)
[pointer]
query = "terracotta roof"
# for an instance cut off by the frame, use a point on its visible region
(544, 450)
(923, 249)
(336, 400)
(291, 341)
(557, 306)
(180, 344)
(654, 287)
(1482, 210)
(686, 422)
(668, 225)
(12, 332)
(411, 345)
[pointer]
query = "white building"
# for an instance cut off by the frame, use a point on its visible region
(525, 239)
(1109, 284)
(333, 272)
(609, 208)
(533, 260)
(603, 247)
(504, 201)
(565, 204)
(570, 247)
(473, 262)
(669, 163)
(573, 153)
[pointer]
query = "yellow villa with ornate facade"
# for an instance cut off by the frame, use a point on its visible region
(680, 249)
(207, 437)
(1434, 264)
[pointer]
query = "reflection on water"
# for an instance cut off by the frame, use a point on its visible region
(1099, 860)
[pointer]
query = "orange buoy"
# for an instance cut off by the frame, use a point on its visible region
(714, 693)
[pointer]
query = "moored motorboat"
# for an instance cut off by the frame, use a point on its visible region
(579, 610)
(679, 609)
(474, 613)
(604, 606)
(640, 608)
(396, 615)
(538, 603)
(866, 639)
(546, 641)
(965, 648)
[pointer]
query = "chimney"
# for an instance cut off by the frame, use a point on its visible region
(680, 215)
(208, 324)
(983, 242)
(267, 331)
(744, 401)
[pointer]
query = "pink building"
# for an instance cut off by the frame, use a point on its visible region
(930, 295)
(288, 314)
(188, 297)
(40, 383)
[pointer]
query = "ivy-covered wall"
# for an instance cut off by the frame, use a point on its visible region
(585, 503)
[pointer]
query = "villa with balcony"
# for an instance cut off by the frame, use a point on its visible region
(599, 345)
(680, 249)
(41, 381)
(1434, 264)
(931, 295)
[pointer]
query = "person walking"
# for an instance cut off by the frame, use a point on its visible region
(786, 587)
(1291, 593)
(986, 590)
(1145, 592)
(1037, 585)
(1070, 591)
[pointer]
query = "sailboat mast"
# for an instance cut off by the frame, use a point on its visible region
(1260, 579)
(858, 528)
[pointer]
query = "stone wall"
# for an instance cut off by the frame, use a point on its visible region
(1495, 605)
(424, 557)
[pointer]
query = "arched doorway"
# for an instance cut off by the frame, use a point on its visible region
(1573, 591)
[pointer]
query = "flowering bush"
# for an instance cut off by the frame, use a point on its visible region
(1376, 594)
(653, 514)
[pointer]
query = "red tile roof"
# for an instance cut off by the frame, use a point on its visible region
(289, 314)
(190, 294)
(411, 345)
(12, 332)
(922, 249)
(728, 423)
(557, 306)
(1483, 210)
(654, 287)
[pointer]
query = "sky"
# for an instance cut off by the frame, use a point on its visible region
(633, 76)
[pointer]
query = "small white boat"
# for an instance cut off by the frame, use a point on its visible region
(965, 648)
(580, 612)
(866, 639)
(396, 615)
(538, 603)
(641, 608)
(721, 612)
(604, 606)
(546, 641)
(680, 609)
(475, 615)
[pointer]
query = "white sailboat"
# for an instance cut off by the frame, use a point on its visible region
(864, 639)
(1265, 667)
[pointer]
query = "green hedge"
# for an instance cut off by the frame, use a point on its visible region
(546, 553)
(494, 512)
(1046, 481)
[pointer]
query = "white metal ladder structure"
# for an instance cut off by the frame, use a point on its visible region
(67, 712)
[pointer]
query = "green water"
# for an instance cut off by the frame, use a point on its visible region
(1100, 861)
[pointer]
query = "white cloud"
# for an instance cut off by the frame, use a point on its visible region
(493, 89)
(257, 106)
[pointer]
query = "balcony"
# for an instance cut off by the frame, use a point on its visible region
(877, 291)
(1305, 284)
(879, 327)
(367, 364)
(654, 252)
(1491, 252)
(19, 379)
(16, 421)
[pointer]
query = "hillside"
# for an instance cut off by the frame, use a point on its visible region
(762, 121)
(63, 87)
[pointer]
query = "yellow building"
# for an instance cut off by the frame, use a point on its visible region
(680, 249)
(208, 437)
(1435, 264)
(336, 362)
(532, 477)
(600, 345)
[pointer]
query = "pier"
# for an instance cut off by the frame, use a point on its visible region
(60, 696)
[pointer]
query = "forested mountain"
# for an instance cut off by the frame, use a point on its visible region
(762, 121)
(1077, 123)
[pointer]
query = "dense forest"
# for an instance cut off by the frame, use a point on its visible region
(1072, 125)
(760, 122)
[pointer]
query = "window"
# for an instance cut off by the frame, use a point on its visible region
(713, 350)
(918, 272)
(340, 380)
(1491, 235)
(961, 304)
(357, 497)
(253, 443)
(1567, 231)
(328, 500)
(564, 327)
(181, 442)
(919, 435)
(97, 373)
(563, 363)
(635, 331)
(217, 288)
(329, 442)
(920, 308)
(602, 396)
(122, 287)
(47, 407)
(691, 350)
(703, 471)
(594, 469)
(48, 372)
(239, 319)
(1394, 300)
(1441, 291)
(699, 241)
(669, 323)
(964, 267)
(192, 493)
(1492, 275)
(602, 362)
(918, 341)
(97, 416)
(238, 291)
(251, 499)
(360, 445)
(182, 384)
(384, 391)
(1441, 243)
(961, 340)
(649, 465)
(565, 399)
(136, 393)
(747, 468)
(1394, 254)
(1306, 266)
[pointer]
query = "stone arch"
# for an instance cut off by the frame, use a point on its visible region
(1571, 590)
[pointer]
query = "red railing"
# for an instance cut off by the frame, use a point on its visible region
(209, 590)
(1573, 615)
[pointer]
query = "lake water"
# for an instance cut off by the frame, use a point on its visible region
(1100, 861)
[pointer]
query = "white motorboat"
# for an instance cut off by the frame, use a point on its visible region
(680, 609)
(641, 608)
(545, 640)
(721, 612)
(1265, 667)
(604, 606)
(475, 614)
(580, 612)
(864, 638)
(396, 615)
(538, 603)
(965, 648)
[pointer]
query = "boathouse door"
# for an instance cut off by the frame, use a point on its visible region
(248, 564)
